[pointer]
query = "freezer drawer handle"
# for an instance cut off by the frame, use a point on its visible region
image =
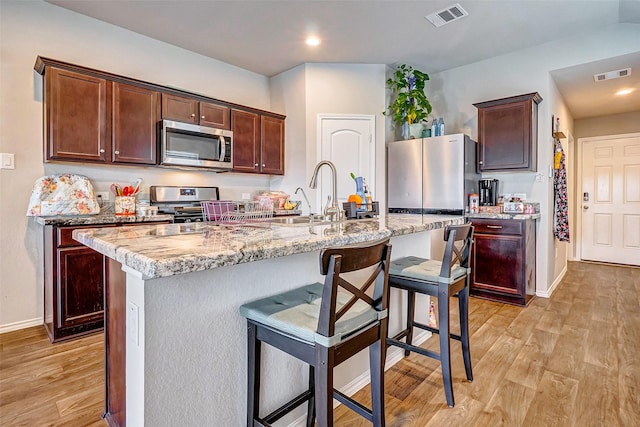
(494, 226)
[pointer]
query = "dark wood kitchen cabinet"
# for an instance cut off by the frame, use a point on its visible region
(93, 119)
(74, 278)
(504, 260)
(191, 110)
(508, 133)
(136, 112)
(258, 142)
(77, 113)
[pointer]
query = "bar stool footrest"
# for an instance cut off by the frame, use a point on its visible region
(361, 410)
(434, 331)
(415, 349)
(288, 407)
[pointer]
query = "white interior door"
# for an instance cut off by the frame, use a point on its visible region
(611, 199)
(348, 142)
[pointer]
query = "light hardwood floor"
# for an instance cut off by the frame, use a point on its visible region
(570, 360)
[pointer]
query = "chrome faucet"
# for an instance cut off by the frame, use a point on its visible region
(305, 198)
(331, 210)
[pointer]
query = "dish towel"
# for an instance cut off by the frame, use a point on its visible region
(561, 207)
(65, 194)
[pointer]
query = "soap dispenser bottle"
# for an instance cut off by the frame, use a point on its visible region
(441, 126)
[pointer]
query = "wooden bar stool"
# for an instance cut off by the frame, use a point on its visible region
(323, 325)
(440, 279)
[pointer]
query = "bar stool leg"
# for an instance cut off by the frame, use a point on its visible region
(445, 346)
(311, 405)
(463, 304)
(324, 386)
(376, 367)
(253, 371)
(411, 309)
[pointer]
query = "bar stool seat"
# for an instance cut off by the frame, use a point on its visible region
(440, 279)
(324, 324)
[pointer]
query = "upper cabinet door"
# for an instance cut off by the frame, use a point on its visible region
(136, 112)
(179, 108)
(508, 133)
(246, 141)
(215, 115)
(76, 116)
(272, 147)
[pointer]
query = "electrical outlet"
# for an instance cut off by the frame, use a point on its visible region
(246, 196)
(539, 177)
(132, 323)
(103, 194)
(521, 196)
(7, 161)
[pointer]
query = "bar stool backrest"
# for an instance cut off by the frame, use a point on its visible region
(458, 248)
(334, 262)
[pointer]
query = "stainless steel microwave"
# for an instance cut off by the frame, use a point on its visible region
(185, 144)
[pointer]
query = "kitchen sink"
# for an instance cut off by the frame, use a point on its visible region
(299, 220)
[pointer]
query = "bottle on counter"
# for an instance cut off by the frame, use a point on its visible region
(367, 197)
(434, 127)
(441, 126)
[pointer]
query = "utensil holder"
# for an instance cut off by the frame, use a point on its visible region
(125, 205)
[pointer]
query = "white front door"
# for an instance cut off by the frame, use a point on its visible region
(348, 142)
(610, 203)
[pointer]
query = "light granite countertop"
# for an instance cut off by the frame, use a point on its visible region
(67, 220)
(170, 249)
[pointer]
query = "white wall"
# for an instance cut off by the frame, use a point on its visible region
(32, 28)
(453, 92)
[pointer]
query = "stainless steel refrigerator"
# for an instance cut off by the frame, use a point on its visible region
(431, 175)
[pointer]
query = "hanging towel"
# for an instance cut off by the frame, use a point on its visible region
(561, 207)
(65, 194)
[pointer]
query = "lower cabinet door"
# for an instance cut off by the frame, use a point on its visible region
(81, 278)
(498, 264)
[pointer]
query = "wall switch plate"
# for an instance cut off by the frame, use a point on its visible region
(7, 161)
(103, 194)
(539, 177)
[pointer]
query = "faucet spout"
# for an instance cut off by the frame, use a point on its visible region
(332, 210)
(305, 198)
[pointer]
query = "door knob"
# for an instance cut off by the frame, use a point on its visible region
(585, 207)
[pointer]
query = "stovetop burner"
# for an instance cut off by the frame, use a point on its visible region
(184, 203)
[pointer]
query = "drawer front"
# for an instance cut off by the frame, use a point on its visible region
(487, 226)
(65, 239)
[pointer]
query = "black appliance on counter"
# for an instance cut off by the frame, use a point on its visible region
(488, 192)
(184, 203)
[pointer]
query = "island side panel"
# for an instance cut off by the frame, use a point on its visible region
(115, 345)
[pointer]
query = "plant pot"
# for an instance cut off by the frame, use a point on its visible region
(415, 130)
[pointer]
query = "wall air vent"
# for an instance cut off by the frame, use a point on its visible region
(612, 75)
(445, 16)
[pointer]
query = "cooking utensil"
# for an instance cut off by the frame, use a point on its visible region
(136, 186)
(116, 190)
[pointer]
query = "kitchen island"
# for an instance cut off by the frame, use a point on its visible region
(175, 341)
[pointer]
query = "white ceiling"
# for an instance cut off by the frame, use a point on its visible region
(267, 36)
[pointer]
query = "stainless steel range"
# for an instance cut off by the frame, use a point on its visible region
(184, 203)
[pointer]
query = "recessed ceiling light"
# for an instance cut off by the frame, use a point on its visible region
(313, 41)
(624, 92)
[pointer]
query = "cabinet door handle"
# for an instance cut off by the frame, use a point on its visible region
(255, 165)
(193, 114)
(102, 150)
(116, 152)
(480, 162)
(264, 166)
(494, 226)
(202, 117)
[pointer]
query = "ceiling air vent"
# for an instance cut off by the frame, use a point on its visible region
(445, 16)
(612, 75)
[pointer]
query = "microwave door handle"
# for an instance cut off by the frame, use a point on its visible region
(223, 148)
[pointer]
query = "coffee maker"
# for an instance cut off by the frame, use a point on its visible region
(488, 192)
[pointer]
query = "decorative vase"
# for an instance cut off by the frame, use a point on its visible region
(360, 192)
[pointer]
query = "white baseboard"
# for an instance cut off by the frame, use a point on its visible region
(394, 355)
(549, 291)
(20, 325)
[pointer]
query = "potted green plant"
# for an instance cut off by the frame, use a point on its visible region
(411, 105)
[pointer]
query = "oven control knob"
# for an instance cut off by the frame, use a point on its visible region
(187, 220)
